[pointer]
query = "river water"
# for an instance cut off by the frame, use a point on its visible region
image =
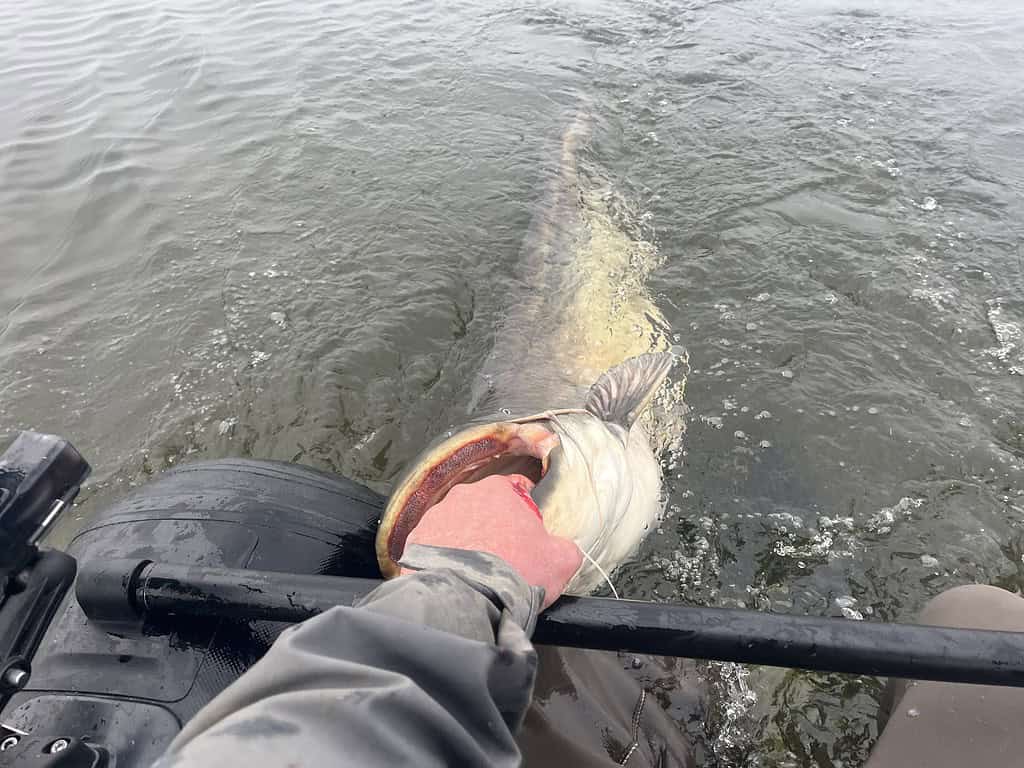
(289, 230)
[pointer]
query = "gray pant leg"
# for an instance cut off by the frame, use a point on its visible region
(953, 724)
(593, 709)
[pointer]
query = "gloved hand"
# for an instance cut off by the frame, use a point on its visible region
(497, 515)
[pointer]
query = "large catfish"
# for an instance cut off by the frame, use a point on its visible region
(578, 448)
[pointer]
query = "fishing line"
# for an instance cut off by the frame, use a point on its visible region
(600, 570)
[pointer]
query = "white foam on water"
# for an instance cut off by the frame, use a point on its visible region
(734, 707)
(882, 521)
(825, 539)
(724, 311)
(846, 604)
(1009, 335)
(687, 566)
(939, 298)
(889, 166)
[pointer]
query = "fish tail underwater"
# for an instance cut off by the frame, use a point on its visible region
(582, 304)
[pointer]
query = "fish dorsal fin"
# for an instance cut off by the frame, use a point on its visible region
(621, 393)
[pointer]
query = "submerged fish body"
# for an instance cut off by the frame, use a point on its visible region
(577, 360)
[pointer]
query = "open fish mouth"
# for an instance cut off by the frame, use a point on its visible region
(506, 448)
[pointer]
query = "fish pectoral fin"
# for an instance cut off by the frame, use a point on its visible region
(621, 393)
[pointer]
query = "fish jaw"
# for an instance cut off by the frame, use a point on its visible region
(469, 455)
(602, 490)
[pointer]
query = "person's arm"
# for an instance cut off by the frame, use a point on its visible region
(431, 669)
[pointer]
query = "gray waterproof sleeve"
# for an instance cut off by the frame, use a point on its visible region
(431, 669)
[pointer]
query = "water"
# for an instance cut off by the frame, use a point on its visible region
(288, 230)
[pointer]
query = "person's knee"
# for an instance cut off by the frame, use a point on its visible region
(980, 606)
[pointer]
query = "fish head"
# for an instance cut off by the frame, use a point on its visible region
(474, 452)
(601, 489)
(594, 478)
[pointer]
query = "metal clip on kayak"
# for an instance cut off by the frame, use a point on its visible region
(122, 593)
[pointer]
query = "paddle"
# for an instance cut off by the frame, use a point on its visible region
(121, 592)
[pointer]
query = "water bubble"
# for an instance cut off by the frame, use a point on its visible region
(890, 166)
(928, 561)
(845, 604)
(873, 411)
(913, 712)
(787, 374)
(724, 311)
(763, 415)
(739, 434)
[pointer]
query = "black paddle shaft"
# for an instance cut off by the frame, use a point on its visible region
(127, 591)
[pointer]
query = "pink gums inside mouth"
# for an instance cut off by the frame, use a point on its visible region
(521, 455)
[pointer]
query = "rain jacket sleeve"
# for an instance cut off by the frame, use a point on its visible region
(430, 669)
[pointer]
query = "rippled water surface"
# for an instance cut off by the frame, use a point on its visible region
(289, 230)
